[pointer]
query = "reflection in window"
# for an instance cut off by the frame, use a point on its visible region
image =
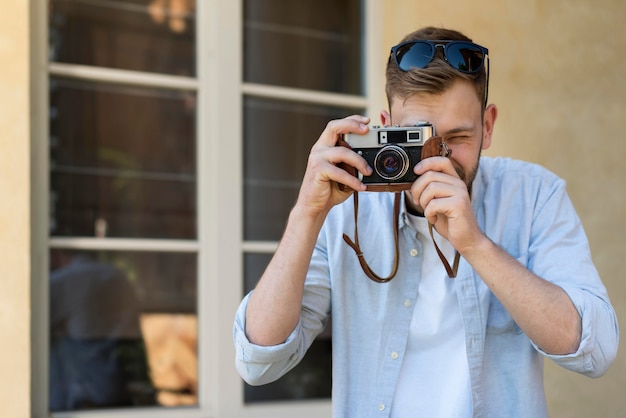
(123, 329)
(122, 161)
(278, 137)
(308, 44)
(141, 35)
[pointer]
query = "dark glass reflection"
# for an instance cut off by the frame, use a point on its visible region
(122, 161)
(278, 137)
(312, 378)
(141, 35)
(122, 329)
(309, 44)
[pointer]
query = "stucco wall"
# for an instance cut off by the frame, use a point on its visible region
(14, 212)
(558, 78)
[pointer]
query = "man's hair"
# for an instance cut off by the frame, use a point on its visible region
(437, 77)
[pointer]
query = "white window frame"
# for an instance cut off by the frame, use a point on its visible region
(219, 245)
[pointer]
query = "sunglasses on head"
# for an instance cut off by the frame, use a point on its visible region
(466, 57)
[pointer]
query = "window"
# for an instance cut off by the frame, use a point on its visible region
(169, 141)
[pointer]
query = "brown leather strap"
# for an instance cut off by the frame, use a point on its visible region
(452, 271)
(357, 249)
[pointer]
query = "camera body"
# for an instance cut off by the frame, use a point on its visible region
(392, 152)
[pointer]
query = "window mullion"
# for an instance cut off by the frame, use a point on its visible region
(123, 244)
(303, 96)
(124, 77)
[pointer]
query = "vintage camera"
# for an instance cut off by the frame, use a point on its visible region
(392, 152)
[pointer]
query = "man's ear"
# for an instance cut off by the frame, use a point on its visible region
(489, 120)
(385, 118)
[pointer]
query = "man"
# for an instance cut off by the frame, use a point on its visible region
(97, 352)
(424, 343)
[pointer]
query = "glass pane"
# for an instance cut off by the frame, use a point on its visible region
(312, 378)
(278, 137)
(123, 330)
(122, 161)
(309, 44)
(142, 35)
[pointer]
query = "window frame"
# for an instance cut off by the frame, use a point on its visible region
(219, 244)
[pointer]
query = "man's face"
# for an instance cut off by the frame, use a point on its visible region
(457, 117)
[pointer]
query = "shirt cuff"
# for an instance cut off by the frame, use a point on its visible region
(593, 356)
(261, 364)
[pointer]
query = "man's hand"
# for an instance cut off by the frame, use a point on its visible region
(319, 191)
(443, 197)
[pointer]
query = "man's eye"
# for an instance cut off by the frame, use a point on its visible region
(458, 139)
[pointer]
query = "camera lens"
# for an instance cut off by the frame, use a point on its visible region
(391, 163)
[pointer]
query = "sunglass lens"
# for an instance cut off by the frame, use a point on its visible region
(467, 58)
(417, 54)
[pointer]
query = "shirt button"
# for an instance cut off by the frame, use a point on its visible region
(394, 355)
(407, 303)
(381, 406)
(414, 252)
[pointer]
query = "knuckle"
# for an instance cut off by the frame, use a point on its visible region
(314, 162)
(332, 125)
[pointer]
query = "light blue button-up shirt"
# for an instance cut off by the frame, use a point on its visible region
(521, 207)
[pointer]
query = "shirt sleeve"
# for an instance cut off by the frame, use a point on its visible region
(560, 253)
(599, 339)
(259, 365)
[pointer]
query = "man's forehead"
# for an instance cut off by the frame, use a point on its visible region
(454, 110)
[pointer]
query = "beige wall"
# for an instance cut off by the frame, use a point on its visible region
(558, 76)
(14, 212)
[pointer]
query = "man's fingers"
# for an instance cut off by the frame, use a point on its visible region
(438, 164)
(352, 124)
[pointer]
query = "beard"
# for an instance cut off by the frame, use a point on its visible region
(467, 176)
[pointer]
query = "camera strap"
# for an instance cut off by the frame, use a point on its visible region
(451, 270)
(357, 249)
